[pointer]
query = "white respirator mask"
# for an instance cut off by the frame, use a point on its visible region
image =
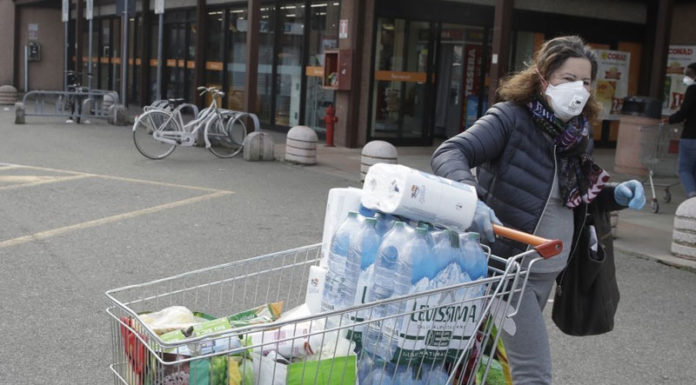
(687, 81)
(567, 99)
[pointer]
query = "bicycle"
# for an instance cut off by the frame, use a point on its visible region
(158, 131)
(72, 103)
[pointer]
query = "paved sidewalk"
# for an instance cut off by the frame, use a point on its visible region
(640, 233)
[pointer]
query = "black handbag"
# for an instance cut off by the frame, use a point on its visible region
(587, 294)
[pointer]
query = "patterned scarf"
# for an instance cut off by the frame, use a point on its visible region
(580, 179)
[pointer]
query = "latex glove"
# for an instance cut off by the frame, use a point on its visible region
(484, 217)
(630, 194)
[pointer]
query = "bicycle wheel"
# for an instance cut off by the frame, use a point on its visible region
(226, 139)
(148, 123)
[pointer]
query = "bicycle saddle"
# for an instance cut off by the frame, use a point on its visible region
(176, 101)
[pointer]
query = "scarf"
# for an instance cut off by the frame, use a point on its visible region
(579, 179)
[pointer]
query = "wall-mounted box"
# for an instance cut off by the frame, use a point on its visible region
(337, 69)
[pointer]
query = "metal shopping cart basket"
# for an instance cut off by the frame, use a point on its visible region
(659, 146)
(316, 349)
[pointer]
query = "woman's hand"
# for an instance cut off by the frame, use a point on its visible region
(484, 217)
(630, 194)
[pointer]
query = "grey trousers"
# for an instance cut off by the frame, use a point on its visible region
(528, 350)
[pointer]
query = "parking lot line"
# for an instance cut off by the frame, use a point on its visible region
(117, 178)
(45, 180)
(111, 219)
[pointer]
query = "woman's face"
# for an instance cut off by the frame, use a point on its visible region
(572, 70)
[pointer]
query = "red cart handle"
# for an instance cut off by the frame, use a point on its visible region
(547, 248)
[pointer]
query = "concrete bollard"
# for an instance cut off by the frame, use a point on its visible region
(118, 115)
(19, 113)
(301, 145)
(684, 232)
(258, 146)
(8, 95)
(376, 151)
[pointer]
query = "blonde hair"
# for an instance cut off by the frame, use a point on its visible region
(525, 86)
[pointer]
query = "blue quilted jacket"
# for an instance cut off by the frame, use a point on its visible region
(515, 168)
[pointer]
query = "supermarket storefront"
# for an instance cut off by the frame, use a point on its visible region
(415, 71)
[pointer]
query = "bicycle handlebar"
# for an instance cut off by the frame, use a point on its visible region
(212, 90)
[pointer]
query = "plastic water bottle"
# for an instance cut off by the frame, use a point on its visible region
(362, 253)
(335, 288)
(384, 285)
(475, 260)
(384, 222)
(434, 374)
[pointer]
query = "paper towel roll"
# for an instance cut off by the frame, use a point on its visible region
(400, 190)
(338, 204)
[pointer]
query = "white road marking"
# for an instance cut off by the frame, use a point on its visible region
(111, 219)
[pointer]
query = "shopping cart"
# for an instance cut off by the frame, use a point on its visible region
(316, 349)
(659, 147)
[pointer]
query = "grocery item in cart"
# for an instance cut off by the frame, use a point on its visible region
(169, 319)
(339, 203)
(397, 189)
(362, 253)
(337, 285)
(382, 286)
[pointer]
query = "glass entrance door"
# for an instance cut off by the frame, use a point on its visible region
(459, 81)
(402, 82)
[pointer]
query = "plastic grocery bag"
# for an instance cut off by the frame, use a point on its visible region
(331, 371)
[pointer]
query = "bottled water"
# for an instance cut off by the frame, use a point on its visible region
(389, 279)
(475, 260)
(384, 223)
(335, 287)
(434, 375)
(362, 253)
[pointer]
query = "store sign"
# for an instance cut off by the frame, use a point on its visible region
(33, 32)
(612, 81)
(678, 57)
(473, 56)
(159, 7)
(89, 9)
(343, 29)
(65, 16)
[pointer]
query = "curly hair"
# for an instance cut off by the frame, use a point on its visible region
(525, 86)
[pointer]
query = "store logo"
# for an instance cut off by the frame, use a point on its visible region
(681, 51)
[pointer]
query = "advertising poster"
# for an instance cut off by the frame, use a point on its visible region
(612, 81)
(473, 55)
(678, 57)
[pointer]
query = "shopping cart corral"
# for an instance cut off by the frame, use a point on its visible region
(659, 148)
(324, 348)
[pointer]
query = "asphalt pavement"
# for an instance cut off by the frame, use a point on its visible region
(83, 212)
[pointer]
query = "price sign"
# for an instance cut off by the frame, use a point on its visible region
(66, 11)
(90, 10)
(159, 7)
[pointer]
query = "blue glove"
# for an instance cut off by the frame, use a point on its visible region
(484, 217)
(630, 194)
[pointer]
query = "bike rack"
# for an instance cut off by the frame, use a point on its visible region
(90, 103)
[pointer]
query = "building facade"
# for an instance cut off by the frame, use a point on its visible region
(403, 71)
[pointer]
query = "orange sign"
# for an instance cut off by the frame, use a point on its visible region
(213, 65)
(417, 77)
(314, 71)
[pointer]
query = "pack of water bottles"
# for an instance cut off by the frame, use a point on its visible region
(374, 256)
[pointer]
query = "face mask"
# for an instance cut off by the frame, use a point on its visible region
(687, 81)
(567, 99)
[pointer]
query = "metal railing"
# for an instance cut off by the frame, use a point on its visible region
(76, 105)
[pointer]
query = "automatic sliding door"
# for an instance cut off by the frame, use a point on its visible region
(401, 81)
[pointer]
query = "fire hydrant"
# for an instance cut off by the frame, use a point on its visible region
(330, 120)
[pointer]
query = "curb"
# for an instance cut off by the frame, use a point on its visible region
(665, 259)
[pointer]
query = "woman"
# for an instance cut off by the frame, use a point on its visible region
(534, 172)
(687, 144)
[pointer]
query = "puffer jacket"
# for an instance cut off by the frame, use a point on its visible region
(515, 164)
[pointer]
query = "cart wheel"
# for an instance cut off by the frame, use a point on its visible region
(668, 196)
(655, 206)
